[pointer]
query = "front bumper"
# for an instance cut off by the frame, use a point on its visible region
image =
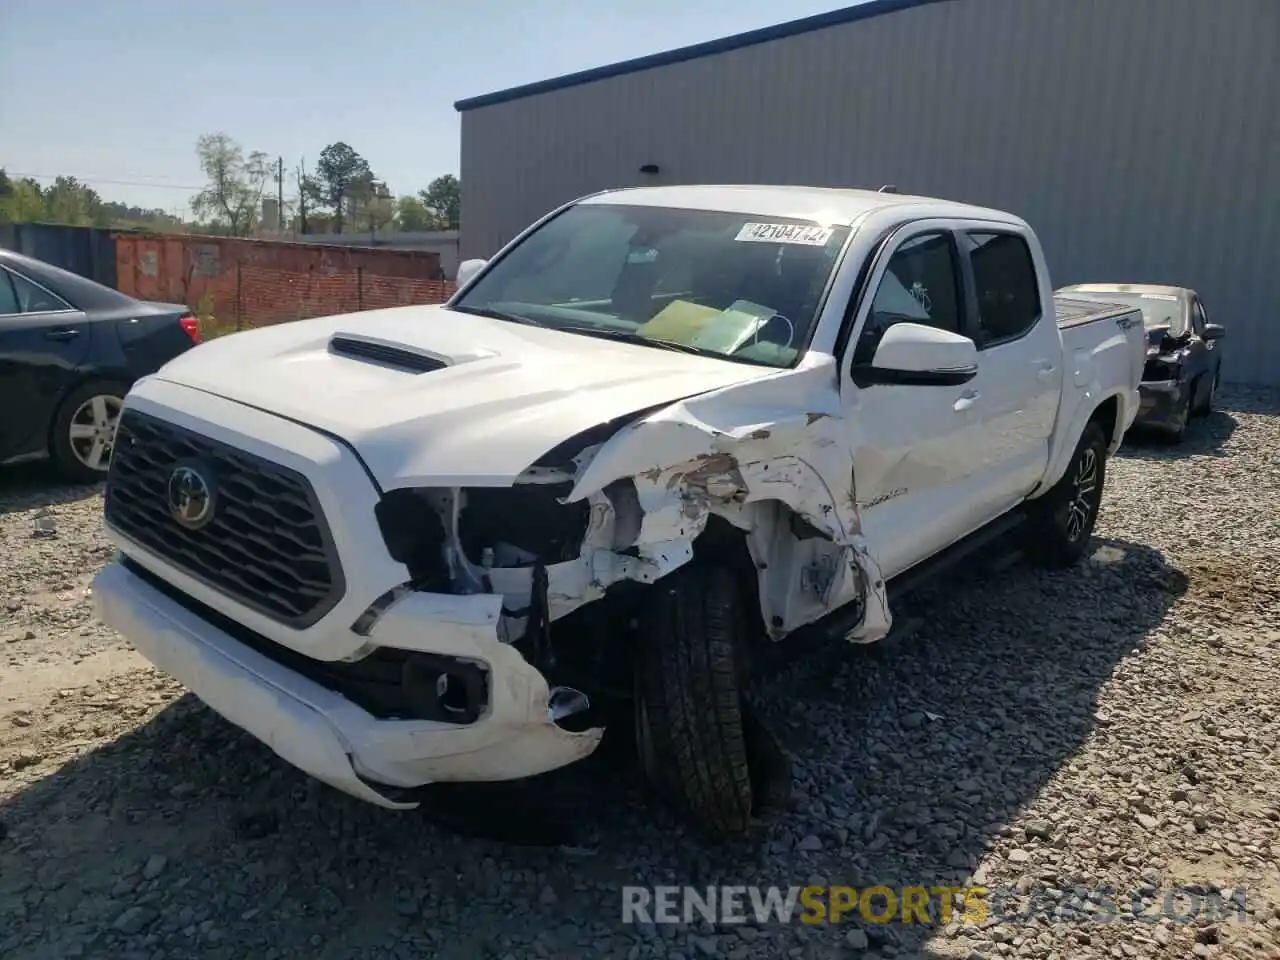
(325, 735)
(276, 681)
(1163, 404)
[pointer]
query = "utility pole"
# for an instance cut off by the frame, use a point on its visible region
(280, 194)
(302, 196)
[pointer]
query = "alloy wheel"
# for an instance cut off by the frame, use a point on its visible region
(93, 431)
(1083, 494)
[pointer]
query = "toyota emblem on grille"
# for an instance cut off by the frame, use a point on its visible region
(191, 494)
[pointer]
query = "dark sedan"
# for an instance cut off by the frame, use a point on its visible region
(1184, 352)
(69, 351)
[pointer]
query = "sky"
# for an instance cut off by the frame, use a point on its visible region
(117, 93)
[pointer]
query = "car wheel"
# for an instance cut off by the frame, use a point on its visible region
(1177, 432)
(1063, 519)
(1206, 408)
(690, 715)
(84, 429)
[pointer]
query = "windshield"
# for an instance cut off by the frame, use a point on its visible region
(738, 286)
(1158, 309)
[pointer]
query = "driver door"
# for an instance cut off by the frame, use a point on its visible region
(916, 448)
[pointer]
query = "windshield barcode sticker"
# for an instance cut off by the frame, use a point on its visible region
(806, 234)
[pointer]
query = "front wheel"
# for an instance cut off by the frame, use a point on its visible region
(1210, 396)
(690, 715)
(84, 430)
(1063, 519)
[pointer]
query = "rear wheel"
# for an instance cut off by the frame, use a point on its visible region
(1063, 519)
(84, 430)
(690, 715)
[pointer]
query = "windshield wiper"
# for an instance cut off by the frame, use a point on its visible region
(629, 336)
(498, 315)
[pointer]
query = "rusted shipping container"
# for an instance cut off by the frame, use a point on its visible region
(247, 283)
(88, 251)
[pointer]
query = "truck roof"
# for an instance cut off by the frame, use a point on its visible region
(821, 204)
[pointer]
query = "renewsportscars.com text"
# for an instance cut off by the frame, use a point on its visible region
(929, 905)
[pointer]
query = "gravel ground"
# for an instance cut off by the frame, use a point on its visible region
(1110, 726)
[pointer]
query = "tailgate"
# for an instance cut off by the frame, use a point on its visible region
(1107, 337)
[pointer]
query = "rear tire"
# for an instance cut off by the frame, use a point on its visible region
(689, 707)
(1063, 519)
(83, 430)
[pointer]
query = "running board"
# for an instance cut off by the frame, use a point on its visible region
(927, 570)
(839, 623)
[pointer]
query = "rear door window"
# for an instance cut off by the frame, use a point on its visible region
(1006, 286)
(33, 298)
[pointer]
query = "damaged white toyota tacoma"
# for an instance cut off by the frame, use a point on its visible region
(663, 430)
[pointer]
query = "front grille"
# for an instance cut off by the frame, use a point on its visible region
(267, 544)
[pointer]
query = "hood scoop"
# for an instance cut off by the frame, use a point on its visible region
(386, 354)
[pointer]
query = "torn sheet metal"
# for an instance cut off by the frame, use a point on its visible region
(757, 454)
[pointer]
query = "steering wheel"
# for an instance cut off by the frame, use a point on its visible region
(770, 323)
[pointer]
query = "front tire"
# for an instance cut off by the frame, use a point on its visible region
(1206, 408)
(1178, 432)
(689, 706)
(1062, 520)
(84, 430)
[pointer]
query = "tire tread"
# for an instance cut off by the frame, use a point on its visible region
(688, 678)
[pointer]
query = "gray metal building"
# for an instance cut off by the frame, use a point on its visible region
(1141, 138)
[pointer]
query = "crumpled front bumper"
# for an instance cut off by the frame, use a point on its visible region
(327, 736)
(1163, 404)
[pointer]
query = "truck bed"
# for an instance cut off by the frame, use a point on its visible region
(1075, 311)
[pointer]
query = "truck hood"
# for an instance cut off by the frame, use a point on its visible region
(428, 396)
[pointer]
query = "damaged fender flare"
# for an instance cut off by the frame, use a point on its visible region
(685, 468)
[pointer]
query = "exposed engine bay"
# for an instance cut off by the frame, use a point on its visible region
(607, 511)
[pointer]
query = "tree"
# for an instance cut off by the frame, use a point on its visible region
(377, 209)
(113, 214)
(443, 197)
(233, 195)
(309, 198)
(412, 215)
(24, 202)
(342, 176)
(72, 202)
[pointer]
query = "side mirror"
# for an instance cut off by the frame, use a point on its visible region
(468, 269)
(913, 353)
(1214, 331)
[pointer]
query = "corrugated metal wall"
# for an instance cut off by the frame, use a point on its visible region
(88, 251)
(1141, 138)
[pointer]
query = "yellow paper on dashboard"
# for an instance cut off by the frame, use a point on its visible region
(721, 331)
(679, 320)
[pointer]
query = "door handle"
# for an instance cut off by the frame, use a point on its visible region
(965, 402)
(62, 333)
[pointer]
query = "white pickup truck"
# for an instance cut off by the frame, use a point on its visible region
(662, 430)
